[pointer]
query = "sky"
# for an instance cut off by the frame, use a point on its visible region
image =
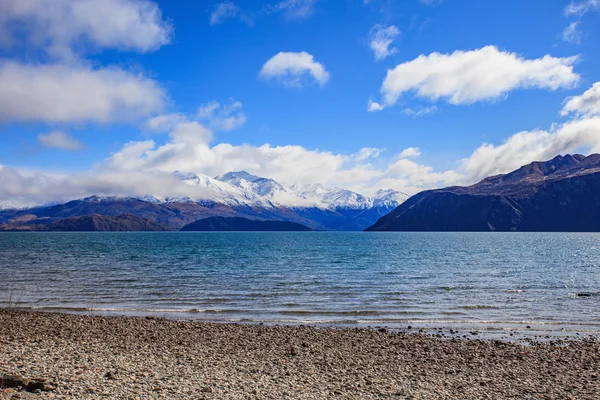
(110, 97)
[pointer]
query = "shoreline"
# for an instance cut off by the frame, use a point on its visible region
(82, 356)
(512, 331)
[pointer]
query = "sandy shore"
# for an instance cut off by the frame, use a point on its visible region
(83, 357)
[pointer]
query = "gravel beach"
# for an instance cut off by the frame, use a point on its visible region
(90, 357)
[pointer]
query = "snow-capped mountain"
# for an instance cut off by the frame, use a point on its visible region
(205, 188)
(261, 186)
(238, 194)
(242, 188)
(389, 197)
(342, 198)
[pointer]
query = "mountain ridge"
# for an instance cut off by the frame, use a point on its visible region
(238, 194)
(561, 194)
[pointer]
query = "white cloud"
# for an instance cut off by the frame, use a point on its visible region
(294, 9)
(410, 152)
(374, 106)
(60, 26)
(75, 93)
(292, 69)
(420, 112)
(59, 140)
(145, 168)
(528, 146)
(586, 104)
(582, 7)
(223, 11)
(368, 152)
(571, 33)
(164, 122)
(380, 40)
(222, 117)
(465, 77)
(228, 10)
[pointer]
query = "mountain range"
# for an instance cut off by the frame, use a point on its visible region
(562, 194)
(234, 194)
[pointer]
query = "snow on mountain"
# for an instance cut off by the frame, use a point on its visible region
(342, 198)
(332, 197)
(389, 197)
(243, 189)
(262, 186)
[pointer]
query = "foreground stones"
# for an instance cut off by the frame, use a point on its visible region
(19, 382)
(85, 357)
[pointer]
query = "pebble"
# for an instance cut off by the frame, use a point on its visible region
(83, 357)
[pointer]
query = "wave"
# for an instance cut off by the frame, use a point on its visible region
(340, 318)
(480, 307)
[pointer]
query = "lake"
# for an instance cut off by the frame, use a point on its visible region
(549, 280)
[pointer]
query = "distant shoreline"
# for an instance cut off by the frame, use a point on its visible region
(88, 357)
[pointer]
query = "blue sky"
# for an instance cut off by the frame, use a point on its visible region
(174, 59)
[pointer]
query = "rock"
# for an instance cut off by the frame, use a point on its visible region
(13, 381)
(17, 381)
(207, 389)
(382, 330)
(111, 375)
(293, 351)
(38, 386)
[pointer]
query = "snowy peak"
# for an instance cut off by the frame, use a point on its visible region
(261, 186)
(342, 198)
(237, 176)
(242, 188)
(390, 197)
(204, 188)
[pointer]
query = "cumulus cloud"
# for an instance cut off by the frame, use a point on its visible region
(571, 33)
(410, 152)
(465, 77)
(582, 7)
(528, 146)
(22, 189)
(145, 168)
(586, 104)
(374, 106)
(60, 26)
(65, 88)
(294, 9)
(292, 69)
(380, 41)
(164, 122)
(368, 152)
(75, 93)
(59, 140)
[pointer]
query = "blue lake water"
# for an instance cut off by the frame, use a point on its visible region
(349, 278)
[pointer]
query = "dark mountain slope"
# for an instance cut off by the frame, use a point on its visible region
(175, 215)
(562, 194)
(91, 223)
(242, 224)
